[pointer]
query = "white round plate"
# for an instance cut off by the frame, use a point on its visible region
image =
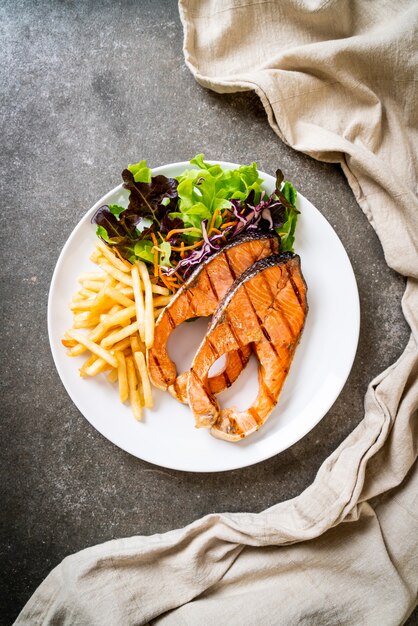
(167, 436)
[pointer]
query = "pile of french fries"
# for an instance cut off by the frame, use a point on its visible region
(117, 306)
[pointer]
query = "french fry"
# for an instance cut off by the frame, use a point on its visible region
(137, 345)
(86, 323)
(76, 350)
(127, 291)
(117, 319)
(134, 397)
(68, 343)
(120, 316)
(162, 291)
(95, 255)
(108, 254)
(122, 345)
(114, 309)
(157, 312)
(118, 335)
(78, 297)
(122, 376)
(110, 281)
(91, 276)
(118, 296)
(84, 316)
(143, 373)
(118, 305)
(98, 366)
(87, 293)
(86, 304)
(149, 308)
(93, 285)
(161, 301)
(112, 376)
(139, 301)
(100, 351)
(92, 359)
(115, 273)
(98, 333)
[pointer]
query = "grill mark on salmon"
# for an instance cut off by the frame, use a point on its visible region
(210, 282)
(190, 303)
(229, 265)
(241, 356)
(200, 297)
(270, 396)
(255, 415)
(285, 320)
(234, 334)
(159, 367)
(170, 319)
(267, 336)
(227, 381)
(214, 350)
(265, 333)
(272, 324)
(295, 289)
(263, 330)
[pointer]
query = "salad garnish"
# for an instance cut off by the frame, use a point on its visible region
(172, 224)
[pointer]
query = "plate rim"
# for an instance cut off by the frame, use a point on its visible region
(238, 465)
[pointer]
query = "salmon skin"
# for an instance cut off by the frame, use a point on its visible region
(199, 297)
(265, 308)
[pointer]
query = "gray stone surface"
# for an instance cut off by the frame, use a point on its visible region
(85, 89)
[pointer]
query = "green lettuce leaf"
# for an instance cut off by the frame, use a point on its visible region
(203, 190)
(287, 231)
(103, 234)
(165, 254)
(289, 193)
(140, 171)
(116, 210)
(143, 250)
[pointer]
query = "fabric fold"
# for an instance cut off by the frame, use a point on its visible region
(338, 82)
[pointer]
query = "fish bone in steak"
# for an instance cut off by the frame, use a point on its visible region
(199, 297)
(265, 308)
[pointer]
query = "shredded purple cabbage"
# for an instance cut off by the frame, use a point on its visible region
(266, 214)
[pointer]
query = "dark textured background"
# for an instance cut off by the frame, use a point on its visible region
(86, 88)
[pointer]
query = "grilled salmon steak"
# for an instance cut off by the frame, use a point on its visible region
(199, 297)
(265, 308)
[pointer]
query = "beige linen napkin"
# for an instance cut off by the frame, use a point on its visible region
(337, 81)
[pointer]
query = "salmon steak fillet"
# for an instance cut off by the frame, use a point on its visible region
(265, 308)
(200, 296)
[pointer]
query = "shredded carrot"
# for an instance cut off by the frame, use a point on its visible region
(116, 251)
(212, 222)
(214, 230)
(155, 242)
(182, 250)
(177, 275)
(166, 283)
(181, 230)
(195, 245)
(172, 286)
(167, 279)
(223, 226)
